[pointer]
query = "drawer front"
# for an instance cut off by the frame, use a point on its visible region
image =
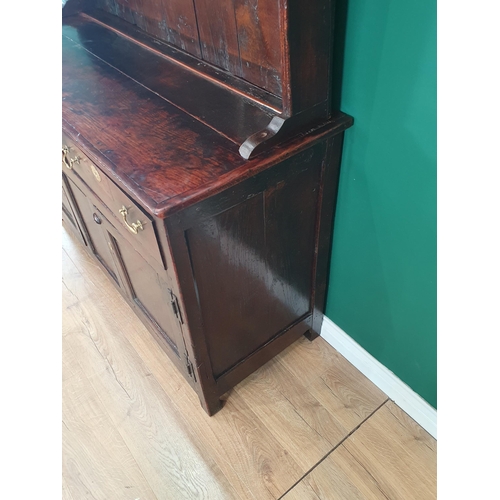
(74, 161)
(131, 220)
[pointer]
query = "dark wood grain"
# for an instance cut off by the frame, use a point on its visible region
(123, 9)
(261, 356)
(173, 21)
(72, 7)
(327, 202)
(245, 273)
(86, 173)
(183, 88)
(169, 159)
(223, 139)
(287, 48)
(243, 38)
(281, 129)
(309, 43)
(218, 34)
(224, 252)
(69, 211)
(95, 236)
(182, 27)
(104, 105)
(258, 29)
(146, 289)
(200, 68)
(149, 291)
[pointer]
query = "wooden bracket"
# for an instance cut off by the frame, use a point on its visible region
(261, 140)
(281, 129)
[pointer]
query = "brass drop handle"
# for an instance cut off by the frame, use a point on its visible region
(68, 162)
(65, 160)
(135, 226)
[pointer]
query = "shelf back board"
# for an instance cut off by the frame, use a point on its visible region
(238, 36)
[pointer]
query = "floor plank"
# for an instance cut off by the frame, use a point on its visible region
(417, 432)
(251, 458)
(388, 457)
(339, 477)
(275, 426)
(263, 465)
(66, 493)
(334, 382)
(403, 463)
(289, 383)
(170, 462)
(96, 462)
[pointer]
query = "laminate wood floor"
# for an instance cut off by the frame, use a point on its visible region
(307, 425)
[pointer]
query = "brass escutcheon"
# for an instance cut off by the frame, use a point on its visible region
(96, 173)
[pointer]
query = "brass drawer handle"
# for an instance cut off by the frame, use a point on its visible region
(68, 162)
(135, 226)
(65, 151)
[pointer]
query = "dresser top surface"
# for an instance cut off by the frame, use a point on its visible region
(156, 152)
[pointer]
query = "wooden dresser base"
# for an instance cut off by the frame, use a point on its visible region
(226, 283)
(223, 258)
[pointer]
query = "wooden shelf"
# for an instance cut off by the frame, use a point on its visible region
(169, 158)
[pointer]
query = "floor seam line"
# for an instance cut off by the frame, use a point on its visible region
(334, 448)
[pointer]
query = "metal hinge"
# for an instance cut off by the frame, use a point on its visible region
(175, 307)
(189, 366)
(174, 302)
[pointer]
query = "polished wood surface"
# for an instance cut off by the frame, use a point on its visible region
(327, 198)
(95, 236)
(177, 83)
(239, 37)
(222, 331)
(243, 38)
(133, 429)
(199, 69)
(173, 21)
(138, 277)
(246, 262)
(88, 176)
(169, 159)
(68, 211)
(271, 61)
(162, 142)
(282, 46)
(198, 181)
(246, 280)
(247, 38)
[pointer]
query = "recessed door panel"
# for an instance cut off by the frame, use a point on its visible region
(98, 242)
(150, 292)
(252, 266)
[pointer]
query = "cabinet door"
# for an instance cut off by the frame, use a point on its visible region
(150, 293)
(68, 213)
(147, 290)
(91, 221)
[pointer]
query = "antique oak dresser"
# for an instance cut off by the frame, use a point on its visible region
(200, 155)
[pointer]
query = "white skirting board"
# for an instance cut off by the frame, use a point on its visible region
(407, 399)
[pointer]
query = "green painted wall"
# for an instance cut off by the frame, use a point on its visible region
(382, 288)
